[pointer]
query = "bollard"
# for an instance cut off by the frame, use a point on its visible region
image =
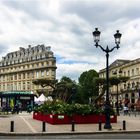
(73, 125)
(43, 127)
(100, 125)
(124, 125)
(12, 126)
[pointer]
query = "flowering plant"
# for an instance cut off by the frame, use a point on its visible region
(59, 107)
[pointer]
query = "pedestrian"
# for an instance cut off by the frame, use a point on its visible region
(20, 107)
(29, 108)
(17, 108)
(125, 110)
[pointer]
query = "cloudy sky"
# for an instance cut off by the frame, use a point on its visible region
(67, 25)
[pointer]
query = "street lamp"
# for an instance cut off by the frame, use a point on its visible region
(117, 36)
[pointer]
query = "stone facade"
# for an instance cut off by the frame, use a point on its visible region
(129, 90)
(18, 69)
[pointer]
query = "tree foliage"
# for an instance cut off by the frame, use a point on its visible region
(65, 89)
(45, 82)
(87, 86)
(112, 81)
(124, 79)
(99, 81)
(118, 80)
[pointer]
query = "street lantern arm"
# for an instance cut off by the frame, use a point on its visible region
(97, 45)
(107, 48)
(117, 47)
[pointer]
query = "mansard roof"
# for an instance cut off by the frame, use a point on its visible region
(32, 53)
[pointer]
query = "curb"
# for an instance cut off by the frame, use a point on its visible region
(69, 133)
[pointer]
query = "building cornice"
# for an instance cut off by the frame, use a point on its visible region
(126, 63)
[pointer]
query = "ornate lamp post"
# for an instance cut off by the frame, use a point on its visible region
(117, 36)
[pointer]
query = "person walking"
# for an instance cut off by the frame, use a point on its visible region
(125, 110)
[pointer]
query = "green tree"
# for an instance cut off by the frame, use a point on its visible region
(45, 83)
(64, 89)
(117, 80)
(101, 82)
(87, 87)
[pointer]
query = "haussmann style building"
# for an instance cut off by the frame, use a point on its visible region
(20, 68)
(128, 92)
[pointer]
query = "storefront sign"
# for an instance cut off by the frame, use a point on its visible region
(25, 98)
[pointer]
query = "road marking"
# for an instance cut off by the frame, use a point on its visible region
(31, 128)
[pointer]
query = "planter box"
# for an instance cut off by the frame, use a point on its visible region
(79, 119)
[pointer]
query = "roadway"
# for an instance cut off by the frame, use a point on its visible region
(131, 136)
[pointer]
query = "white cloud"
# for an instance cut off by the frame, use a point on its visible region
(67, 26)
(73, 70)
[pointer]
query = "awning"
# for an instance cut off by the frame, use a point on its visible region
(16, 93)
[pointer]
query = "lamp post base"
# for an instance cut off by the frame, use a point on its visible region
(107, 114)
(107, 126)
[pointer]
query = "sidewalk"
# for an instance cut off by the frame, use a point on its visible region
(24, 124)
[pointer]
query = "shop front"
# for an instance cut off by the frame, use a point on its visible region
(10, 99)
